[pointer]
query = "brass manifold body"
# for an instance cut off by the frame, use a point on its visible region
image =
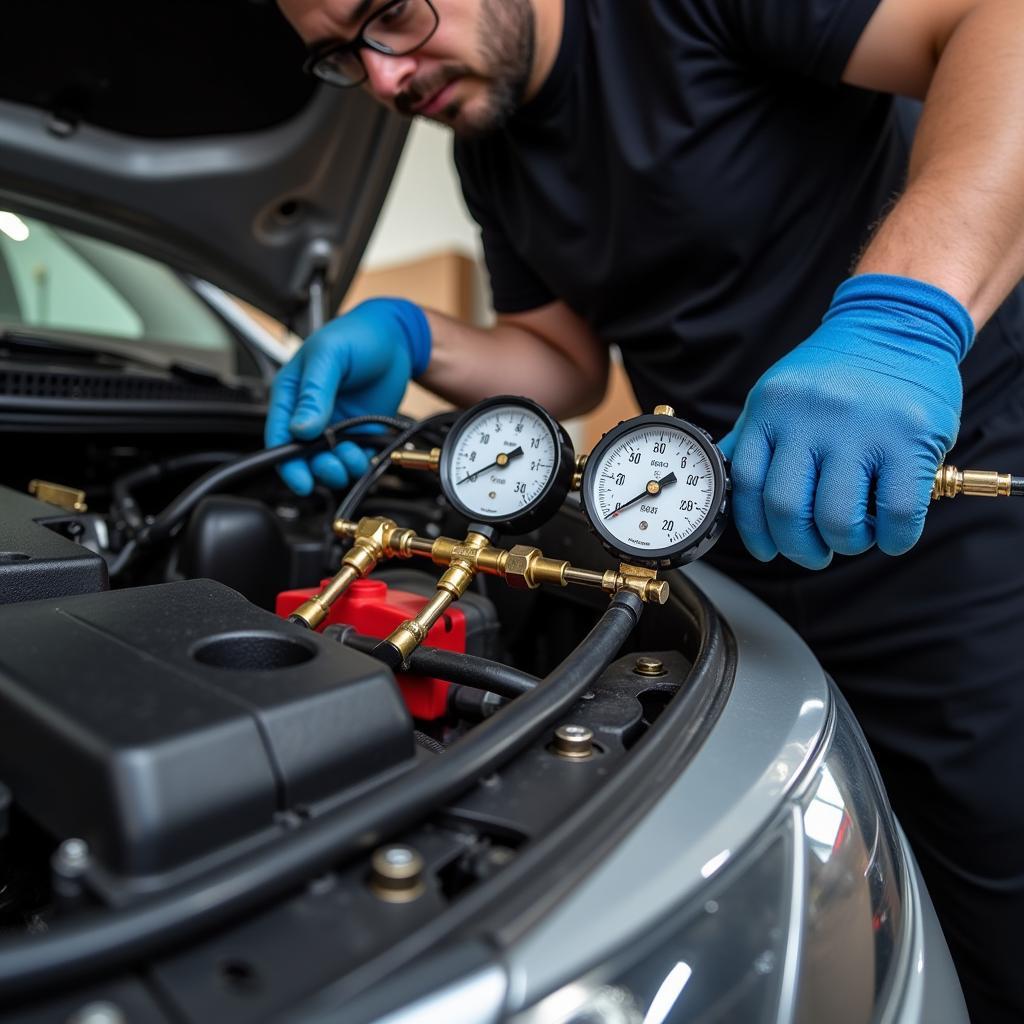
(522, 567)
(373, 540)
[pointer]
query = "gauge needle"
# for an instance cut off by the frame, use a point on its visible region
(503, 459)
(653, 488)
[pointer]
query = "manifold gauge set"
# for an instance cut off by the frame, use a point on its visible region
(654, 491)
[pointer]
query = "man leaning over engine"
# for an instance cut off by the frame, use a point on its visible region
(692, 180)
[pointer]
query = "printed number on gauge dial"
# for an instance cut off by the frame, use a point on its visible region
(655, 488)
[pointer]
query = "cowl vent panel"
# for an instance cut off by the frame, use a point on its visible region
(108, 387)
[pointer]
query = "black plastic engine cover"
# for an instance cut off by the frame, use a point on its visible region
(164, 722)
(36, 562)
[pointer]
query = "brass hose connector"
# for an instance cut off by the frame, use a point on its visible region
(951, 482)
(429, 461)
(373, 539)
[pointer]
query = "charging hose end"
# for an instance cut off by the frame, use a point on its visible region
(389, 654)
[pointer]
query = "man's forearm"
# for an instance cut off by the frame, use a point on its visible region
(960, 223)
(470, 363)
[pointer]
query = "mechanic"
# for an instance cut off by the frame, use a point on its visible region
(729, 192)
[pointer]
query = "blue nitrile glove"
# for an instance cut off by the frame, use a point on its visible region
(870, 402)
(356, 365)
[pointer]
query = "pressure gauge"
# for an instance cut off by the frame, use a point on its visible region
(507, 462)
(654, 490)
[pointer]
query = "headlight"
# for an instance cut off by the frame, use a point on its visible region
(853, 920)
(805, 925)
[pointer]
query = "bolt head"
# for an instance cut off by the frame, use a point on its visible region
(398, 856)
(574, 742)
(649, 667)
(397, 874)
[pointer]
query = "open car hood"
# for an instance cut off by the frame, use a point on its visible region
(187, 131)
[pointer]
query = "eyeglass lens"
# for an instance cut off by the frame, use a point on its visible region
(401, 27)
(398, 28)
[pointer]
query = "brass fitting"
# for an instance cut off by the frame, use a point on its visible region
(951, 482)
(644, 583)
(417, 459)
(373, 540)
(664, 410)
(526, 568)
(413, 632)
(69, 498)
(577, 477)
(463, 565)
(450, 587)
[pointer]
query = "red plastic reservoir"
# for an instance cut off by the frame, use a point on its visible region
(374, 608)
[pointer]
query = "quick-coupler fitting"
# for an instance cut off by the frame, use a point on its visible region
(951, 482)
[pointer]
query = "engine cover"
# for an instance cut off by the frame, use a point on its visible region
(164, 722)
(36, 562)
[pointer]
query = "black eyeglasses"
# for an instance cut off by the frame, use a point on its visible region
(398, 28)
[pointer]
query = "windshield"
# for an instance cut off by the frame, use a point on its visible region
(59, 280)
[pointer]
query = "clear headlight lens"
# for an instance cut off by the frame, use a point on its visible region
(853, 918)
(805, 926)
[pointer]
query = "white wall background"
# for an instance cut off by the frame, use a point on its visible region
(424, 212)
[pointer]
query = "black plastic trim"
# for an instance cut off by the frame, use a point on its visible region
(525, 891)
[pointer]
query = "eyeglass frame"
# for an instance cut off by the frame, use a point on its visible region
(360, 42)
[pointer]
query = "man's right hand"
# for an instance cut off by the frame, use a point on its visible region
(356, 365)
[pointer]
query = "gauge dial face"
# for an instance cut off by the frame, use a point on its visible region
(501, 462)
(652, 490)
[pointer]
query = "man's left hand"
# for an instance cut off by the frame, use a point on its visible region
(868, 406)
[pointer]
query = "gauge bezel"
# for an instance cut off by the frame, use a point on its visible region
(555, 491)
(699, 542)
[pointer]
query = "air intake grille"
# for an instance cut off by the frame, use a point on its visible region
(109, 387)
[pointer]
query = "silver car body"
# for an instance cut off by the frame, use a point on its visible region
(766, 753)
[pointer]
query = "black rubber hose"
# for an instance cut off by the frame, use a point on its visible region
(106, 940)
(464, 669)
(249, 465)
(351, 502)
(121, 490)
(1017, 486)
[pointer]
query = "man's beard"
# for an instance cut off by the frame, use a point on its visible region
(507, 42)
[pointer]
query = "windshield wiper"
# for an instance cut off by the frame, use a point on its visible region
(29, 342)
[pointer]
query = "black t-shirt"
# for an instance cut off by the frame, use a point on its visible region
(695, 182)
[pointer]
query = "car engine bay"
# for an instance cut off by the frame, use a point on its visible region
(191, 774)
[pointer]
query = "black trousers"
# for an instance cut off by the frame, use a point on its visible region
(929, 650)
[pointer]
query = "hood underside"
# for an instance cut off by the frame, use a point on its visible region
(187, 131)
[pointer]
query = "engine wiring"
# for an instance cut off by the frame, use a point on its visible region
(227, 473)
